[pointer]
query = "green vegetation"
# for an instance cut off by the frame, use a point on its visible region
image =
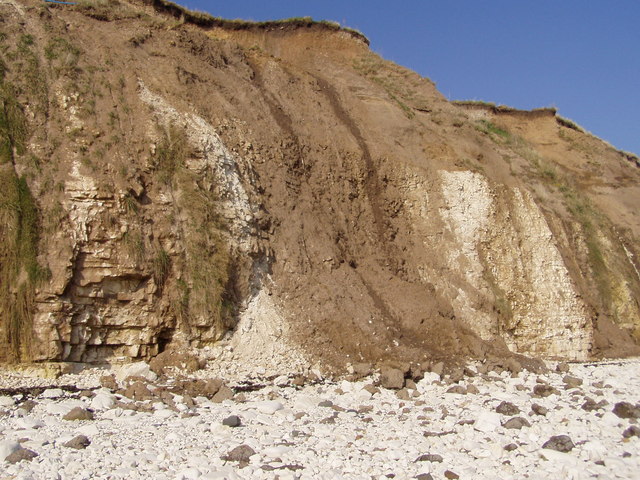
(488, 106)
(161, 266)
(373, 67)
(13, 129)
(474, 103)
(105, 10)
(109, 10)
(502, 305)
(565, 122)
(134, 243)
(592, 223)
(20, 272)
(171, 153)
(492, 129)
(130, 204)
(24, 62)
(204, 19)
(63, 57)
(207, 256)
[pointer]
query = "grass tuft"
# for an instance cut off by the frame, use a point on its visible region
(171, 154)
(565, 122)
(492, 129)
(161, 266)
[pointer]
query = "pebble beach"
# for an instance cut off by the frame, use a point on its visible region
(576, 421)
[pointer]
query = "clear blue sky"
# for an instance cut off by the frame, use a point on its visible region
(581, 56)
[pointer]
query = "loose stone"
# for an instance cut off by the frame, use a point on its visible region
(560, 443)
(232, 421)
(542, 390)
(571, 382)
(507, 408)
(391, 378)
(539, 409)
(516, 423)
(632, 431)
(21, 454)
(429, 458)
(626, 410)
(79, 442)
(241, 454)
(79, 413)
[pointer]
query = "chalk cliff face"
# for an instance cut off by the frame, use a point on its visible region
(169, 178)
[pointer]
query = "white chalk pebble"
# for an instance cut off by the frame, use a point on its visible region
(189, 474)
(268, 407)
(357, 433)
(52, 393)
(487, 421)
(7, 447)
(103, 400)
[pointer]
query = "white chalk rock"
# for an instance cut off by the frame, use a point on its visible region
(480, 453)
(275, 451)
(487, 422)
(268, 407)
(29, 423)
(6, 401)
(560, 457)
(7, 447)
(52, 393)
(89, 430)
(62, 408)
(306, 403)
(595, 450)
(221, 474)
(281, 380)
(138, 369)
(103, 400)
(164, 413)
(189, 474)
(112, 414)
(264, 419)
(610, 420)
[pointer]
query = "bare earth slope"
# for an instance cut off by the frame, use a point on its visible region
(282, 180)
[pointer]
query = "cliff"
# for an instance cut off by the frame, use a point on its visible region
(169, 178)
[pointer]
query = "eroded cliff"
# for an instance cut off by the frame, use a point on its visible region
(175, 178)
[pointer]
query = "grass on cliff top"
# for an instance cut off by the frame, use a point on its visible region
(481, 104)
(563, 121)
(99, 9)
